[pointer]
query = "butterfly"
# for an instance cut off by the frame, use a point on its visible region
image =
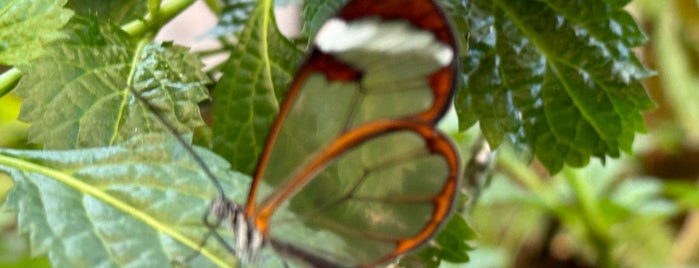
(354, 172)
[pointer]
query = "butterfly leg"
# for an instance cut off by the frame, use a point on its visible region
(220, 209)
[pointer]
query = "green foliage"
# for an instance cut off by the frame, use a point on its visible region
(116, 12)
(234, 15)
(449, 245)
(27, 27)
(557, 77)
(316, 12)
(138, 204)
(254, 80)
(624, 220)
(80, 88)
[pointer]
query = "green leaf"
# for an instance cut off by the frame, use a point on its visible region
(316, 12)
(136, 205)
(117, 12)
(460, 24)
(26, 27)
(684, 194)
(556, 76)
(451, 243)
(77, 95)
(247, 96)
(234, 15)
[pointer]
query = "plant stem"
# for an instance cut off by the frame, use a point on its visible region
(167, 12)
(8, 80)
(591, 216)
(521, 172)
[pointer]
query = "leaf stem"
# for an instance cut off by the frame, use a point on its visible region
(8, 80)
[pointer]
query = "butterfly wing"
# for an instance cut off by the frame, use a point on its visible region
(354, 171)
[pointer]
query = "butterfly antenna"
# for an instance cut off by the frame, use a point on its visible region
(181, 140)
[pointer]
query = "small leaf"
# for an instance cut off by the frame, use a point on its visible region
(451, 243)
(234, 15)
(27, 27)
(316, 12)
(118, 12)
(137, 205)
(461, 27)
(77, 95)
(247, 96)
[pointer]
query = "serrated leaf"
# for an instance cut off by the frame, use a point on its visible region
(136, 205)
(27, 27)
(118, 12)
(450, 244)
(254, 80)
(556, 76)
(234, 15)
(77, 95)
(460, 25)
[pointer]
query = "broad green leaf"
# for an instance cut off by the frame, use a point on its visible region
(556, 76)
(77, 95)
(254, 80)
(136, 205)
(234, 15)
(117, 12)
(28, 26)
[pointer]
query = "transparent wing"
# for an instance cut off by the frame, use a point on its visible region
(353, 156)
(385, 196)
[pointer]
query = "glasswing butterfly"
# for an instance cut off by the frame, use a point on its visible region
(354, 173)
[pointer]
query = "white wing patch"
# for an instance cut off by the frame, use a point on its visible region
(389, 37)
